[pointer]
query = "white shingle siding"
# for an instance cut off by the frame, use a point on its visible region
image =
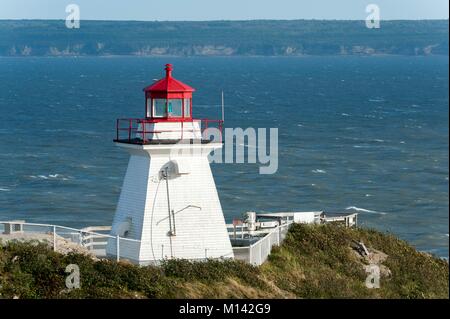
(200, 233)
(171, 130)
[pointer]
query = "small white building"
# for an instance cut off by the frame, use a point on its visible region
(169, 202)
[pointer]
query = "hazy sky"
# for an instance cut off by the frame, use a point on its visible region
(223, 9)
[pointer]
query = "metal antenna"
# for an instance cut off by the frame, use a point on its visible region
(223, 108)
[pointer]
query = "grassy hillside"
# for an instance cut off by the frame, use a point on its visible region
(313, 262)
(223, 38)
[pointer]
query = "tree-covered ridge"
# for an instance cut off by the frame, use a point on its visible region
(222, 38)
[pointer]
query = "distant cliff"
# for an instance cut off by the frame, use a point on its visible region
(222, 38)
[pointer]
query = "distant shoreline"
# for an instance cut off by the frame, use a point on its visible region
(226, 20)
(286, 38)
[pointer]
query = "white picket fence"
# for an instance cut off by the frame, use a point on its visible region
(257, 253)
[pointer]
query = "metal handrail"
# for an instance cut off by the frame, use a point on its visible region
(276, 229)
(69, 228)
(133, 123)
(255, 250)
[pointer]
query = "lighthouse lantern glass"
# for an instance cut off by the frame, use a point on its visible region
(175, 107)
(187, 107)
(159, 108)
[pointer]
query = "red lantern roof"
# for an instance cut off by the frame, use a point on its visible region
(169, 84)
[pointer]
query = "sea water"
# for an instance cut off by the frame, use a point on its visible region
(356, 134)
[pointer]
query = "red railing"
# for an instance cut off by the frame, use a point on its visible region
(135, 131)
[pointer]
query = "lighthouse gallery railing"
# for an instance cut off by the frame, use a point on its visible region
(134, 131)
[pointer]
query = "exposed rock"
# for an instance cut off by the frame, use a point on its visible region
(63, 245)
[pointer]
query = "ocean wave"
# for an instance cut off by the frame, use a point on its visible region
(4, 189)
(76, 132)
(364, 210)
(377, 100)
(85, 166)
(319, 171)
(35, 155)
(51, 177)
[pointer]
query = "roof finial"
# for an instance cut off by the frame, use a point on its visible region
(169, 69)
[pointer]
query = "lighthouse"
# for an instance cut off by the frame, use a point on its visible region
(168, 206)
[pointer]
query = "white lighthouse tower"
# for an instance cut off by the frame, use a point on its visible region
(169, 206)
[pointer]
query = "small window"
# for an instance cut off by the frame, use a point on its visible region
(187, 107)
(174, 107)
(149, 107)
(159, 108)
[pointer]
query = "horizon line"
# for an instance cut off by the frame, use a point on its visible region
(222, 20)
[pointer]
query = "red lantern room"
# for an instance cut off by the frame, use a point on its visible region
(168, 99)
(168, 116)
